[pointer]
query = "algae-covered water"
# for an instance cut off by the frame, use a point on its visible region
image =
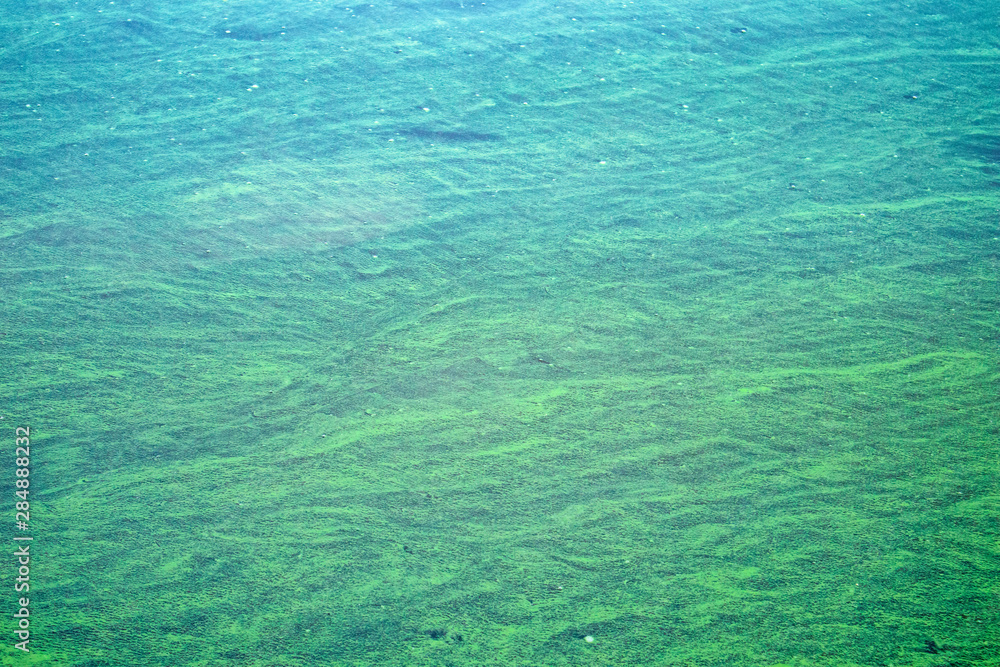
(505, 333)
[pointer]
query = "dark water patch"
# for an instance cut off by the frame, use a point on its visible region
(939, 268)
(978, 146)
(249, 32)
(135, 28)
(15, 162)
(450, 136)
(59, 235)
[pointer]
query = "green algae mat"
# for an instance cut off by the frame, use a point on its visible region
(504, 334)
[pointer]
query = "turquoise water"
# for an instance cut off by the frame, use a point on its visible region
(455, 333)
